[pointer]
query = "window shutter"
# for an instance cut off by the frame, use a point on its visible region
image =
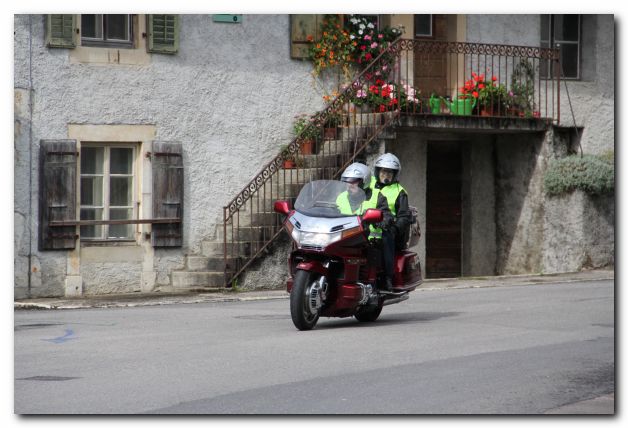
(302, 26)
(167, 164)
(57, 193)
(61, 31)
(163, 34)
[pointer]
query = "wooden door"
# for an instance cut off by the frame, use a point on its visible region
(444, 210)
(430, 68)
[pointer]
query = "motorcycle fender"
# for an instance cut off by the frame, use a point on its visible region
(313, 266)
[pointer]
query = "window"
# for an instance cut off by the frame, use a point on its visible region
(563, 30)
(107, 190)
(106, 30)
(423, 26)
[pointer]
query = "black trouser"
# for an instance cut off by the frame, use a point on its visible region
(388, 253)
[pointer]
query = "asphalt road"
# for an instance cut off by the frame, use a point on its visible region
(501, 350)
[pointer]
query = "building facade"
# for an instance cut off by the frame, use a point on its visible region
(134, 132)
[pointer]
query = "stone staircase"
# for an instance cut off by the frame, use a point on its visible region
(251, 229)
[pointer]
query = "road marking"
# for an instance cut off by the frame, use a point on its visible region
(62, 339)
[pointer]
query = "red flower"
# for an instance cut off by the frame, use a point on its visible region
(363, 47)
(475, 94)
(382, 108)
(494, 79)
(368, 56)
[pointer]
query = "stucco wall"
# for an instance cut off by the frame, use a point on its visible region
(479, 240)
(519, 203)
(229, 96)
(411, 149)
(504, 29)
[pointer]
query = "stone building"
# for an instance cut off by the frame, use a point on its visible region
(145, 145)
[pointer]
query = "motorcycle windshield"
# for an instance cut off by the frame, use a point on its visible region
(330, 198)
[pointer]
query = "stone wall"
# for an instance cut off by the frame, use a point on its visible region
(579, 232)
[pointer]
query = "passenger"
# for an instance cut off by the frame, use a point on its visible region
(395, 233)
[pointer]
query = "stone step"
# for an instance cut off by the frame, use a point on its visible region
(238, 248)
(249, 232)
(336, 146)
(182, 280)
(321, 160)
(369, 118)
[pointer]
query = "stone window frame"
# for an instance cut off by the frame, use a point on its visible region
(139, 136)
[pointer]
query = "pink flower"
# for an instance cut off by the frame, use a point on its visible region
(380, 36)
(373, 45)
(367, 37)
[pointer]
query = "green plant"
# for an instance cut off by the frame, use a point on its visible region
(521, 94)
(333, 49)
(304, 127)
(367, 40)
(287, 156)
(493, 96)
(334, 119)
(591, 174)
(355, 45)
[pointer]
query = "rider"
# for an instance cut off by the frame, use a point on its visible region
(351, 202)
(395, 234)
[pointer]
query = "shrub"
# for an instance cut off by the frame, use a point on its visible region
(591, 174)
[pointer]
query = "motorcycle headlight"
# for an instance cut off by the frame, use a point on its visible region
(316, 239)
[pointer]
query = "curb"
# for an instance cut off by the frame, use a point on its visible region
(157, 299)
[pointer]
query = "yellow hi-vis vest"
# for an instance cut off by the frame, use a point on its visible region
(345, 208)
(392, 192)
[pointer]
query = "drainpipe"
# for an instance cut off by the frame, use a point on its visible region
(30, 152)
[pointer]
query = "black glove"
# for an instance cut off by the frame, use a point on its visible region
(384, 225)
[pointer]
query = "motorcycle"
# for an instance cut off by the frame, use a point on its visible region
(335, 271)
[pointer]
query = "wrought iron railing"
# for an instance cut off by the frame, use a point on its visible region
(482, 79)
(411, 77)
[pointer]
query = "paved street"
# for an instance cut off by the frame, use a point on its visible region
(518, 349)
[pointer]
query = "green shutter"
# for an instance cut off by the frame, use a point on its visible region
(61, 31)
(302, 27)
(163, 34)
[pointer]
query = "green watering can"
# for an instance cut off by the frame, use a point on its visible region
(461, 106)
(434, 104)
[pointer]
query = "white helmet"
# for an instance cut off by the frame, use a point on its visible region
(357, 171)
(388, 161)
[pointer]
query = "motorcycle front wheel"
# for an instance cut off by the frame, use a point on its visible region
(304, 316)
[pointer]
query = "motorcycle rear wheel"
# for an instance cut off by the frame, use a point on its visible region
(302, 317)
(368, 313)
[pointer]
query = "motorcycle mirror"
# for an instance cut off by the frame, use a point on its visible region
(281, 207)
(372, 216)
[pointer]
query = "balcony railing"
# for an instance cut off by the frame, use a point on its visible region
(480, 79)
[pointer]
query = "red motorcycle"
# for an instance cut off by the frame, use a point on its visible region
(334, 269)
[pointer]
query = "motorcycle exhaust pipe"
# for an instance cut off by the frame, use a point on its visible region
(396, 299)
